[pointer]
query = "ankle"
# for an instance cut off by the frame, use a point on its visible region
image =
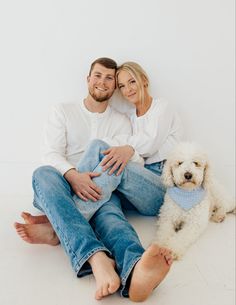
(96, 258)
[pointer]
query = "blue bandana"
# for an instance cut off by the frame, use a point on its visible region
(186, 199)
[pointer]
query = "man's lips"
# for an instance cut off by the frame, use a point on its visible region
(101, 89)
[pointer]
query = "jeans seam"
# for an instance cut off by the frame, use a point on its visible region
(74, 256)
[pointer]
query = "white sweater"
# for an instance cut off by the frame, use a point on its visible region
(71, 127)
(155, 133)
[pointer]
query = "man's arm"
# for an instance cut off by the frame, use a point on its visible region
(54, 154)
(83, 185)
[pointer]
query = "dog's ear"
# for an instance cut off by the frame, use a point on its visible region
(207, 180)
(166, 176)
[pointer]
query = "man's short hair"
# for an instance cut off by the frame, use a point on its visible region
(105, 62)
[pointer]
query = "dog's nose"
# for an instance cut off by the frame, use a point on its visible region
(188, 175)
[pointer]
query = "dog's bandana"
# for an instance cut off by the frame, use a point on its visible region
(186, 199)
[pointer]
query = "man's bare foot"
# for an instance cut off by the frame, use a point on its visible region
(30, 219)
(107, 280)
(37, 233)
(149, 272)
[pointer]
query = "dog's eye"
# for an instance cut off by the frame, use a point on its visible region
(179, 163)
(196, 164)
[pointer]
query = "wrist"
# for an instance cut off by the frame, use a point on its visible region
(70, 173)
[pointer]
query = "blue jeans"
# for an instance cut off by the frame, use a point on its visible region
(140, 186)
(108, 230)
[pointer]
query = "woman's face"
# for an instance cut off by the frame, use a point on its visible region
(128, 87)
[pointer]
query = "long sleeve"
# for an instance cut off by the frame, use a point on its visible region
(55, 141)
(122, 138)
(156, 130)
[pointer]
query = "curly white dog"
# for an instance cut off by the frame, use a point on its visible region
(193, 197)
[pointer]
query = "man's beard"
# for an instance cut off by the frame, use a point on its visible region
(100, 99)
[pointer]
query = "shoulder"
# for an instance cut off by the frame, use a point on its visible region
(160, 106)
(115, 114)
(65, 109)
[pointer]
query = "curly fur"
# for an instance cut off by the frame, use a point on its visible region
(177, 229)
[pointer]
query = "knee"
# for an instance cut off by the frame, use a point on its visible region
(96, 143)
(45, 173)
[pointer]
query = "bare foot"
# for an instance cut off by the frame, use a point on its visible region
(107, 280)
(149, 272)
(37, 233)
(30, 219)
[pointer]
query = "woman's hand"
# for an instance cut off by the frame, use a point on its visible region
(117, 157)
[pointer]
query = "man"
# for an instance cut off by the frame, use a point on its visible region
(70, 128)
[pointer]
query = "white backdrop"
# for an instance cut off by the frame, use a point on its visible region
(186, 46)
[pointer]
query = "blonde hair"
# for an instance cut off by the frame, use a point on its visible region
(137, 72)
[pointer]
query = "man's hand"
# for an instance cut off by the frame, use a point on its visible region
(117, 157)
(83, 185)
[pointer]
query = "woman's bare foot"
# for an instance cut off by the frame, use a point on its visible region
(149, 272)
(30, 219)
(107, 280)
(37, 233)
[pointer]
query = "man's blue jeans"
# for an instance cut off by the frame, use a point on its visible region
(140, 186)
(107, 231)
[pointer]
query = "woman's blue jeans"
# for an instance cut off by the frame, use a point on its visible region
(108, 230)
(140, 186)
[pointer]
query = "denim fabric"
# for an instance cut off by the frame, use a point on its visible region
(53, 195)
(108, 230)
(141, 186)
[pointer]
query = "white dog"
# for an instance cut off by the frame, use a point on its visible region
(192, 198)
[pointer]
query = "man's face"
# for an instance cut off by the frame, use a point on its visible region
(101, 83)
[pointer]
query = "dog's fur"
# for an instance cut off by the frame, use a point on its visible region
(177, 229)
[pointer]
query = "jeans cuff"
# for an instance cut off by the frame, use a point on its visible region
(83, 267)
(125, 280)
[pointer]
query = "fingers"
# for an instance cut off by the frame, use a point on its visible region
(115, 167)
(106, 159)
(91, 192)
(93, 174)
(110, 164)
(81, 196)
(123, 165)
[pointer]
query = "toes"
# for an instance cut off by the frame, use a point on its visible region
(101, 292)
(113, 288)
(105, 291)
(98, 294)
(25, 216)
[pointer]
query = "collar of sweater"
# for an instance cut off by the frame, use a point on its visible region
(186, 199)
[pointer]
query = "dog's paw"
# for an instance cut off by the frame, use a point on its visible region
(218, 217)
(176, 256)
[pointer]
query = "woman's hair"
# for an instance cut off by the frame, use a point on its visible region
(137, 72)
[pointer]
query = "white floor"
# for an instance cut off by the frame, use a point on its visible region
(38, 274)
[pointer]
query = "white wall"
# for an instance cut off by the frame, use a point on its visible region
(186, 46)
